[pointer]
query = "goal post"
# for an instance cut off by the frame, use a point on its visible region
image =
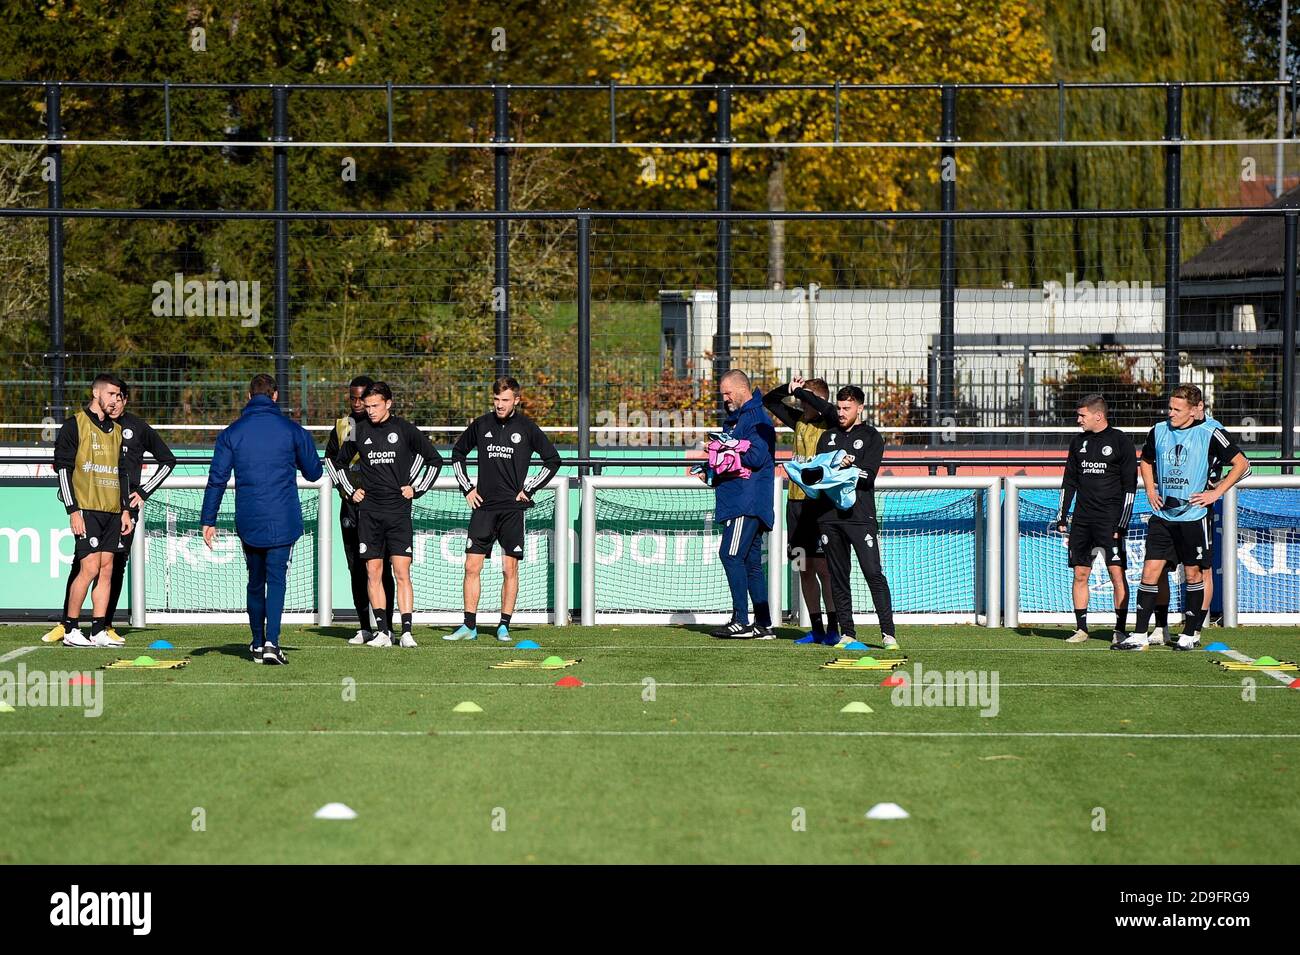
(1261, 529)
(1255, 541)
(1036, 572)
(178, 580)
(680, 534)
(649, 551)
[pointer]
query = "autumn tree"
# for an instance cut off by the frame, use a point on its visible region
(850, 41)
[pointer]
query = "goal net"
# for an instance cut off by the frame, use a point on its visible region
(1040, 581)
(1266, 526)
(184, 581)
(650, 551)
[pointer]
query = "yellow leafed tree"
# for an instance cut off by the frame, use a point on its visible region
(782, 41)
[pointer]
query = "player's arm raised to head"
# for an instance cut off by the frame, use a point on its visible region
(828, 411)
(774, 404)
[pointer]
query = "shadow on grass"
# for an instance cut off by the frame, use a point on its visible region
(334, 633)
(789, 634)
(228, 650)
(1048, 633)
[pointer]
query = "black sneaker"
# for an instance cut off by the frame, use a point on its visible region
(256, 651)
(764, 633)
(273, 655)
(735, 631)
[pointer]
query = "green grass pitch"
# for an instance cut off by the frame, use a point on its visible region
(743, 754)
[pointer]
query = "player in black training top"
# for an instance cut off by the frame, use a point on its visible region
(803, 536)
(398, 464)
(505, 441)
(1101, 480)
(344, 428)
(138, 439)
(855, 530)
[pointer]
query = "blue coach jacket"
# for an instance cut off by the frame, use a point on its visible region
(266, 451)
(752, 496)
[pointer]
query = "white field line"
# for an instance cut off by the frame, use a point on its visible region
(659, 733)
(15, 654)
(337, 684)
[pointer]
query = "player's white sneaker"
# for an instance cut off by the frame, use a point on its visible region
(1157, 638)
(1135, 641)
(381, 640)
(1186, 642)
(362, 636)
(75, 638)
(1079, 636)
(408, 641)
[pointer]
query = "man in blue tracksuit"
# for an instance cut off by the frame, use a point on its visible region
(743, 508)
(266, 450)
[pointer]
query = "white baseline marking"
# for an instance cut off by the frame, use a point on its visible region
(726, 733)
(721, 645)
(15, 654)
(336, 684)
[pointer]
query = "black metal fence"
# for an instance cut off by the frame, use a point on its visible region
(572, 296)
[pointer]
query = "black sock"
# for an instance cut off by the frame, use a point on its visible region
(406, 622)
(762, 615)
(1162, 616)
(1195, 597)
(1081, 619)
(832, 622)
(97, 625)
(1121, 618)
(71, 623)
(817, 626)
(381, 619)
(505, 619)
(1146, 604)
(471, 620)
